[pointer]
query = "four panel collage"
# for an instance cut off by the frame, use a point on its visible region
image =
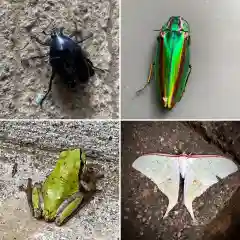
(87, 152)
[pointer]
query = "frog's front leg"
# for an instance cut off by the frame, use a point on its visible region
(88, 182)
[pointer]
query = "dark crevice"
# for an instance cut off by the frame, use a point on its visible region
(198, 128)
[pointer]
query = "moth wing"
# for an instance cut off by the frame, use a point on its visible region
(202, 173)
(164, 172)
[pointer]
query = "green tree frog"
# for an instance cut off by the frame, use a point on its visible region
(68, 188)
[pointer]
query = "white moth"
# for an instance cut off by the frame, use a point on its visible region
(198, 171)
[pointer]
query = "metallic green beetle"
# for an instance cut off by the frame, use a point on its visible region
(171, 65)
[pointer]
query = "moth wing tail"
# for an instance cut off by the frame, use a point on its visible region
(164, 172)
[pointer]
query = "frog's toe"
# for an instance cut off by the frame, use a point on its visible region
(49, 219)
(37, 213)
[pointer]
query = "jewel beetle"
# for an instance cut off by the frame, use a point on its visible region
(67, 60)
(171, 65)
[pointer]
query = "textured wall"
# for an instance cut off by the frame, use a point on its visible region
(22, 78)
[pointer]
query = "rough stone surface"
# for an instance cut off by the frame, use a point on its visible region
(23, 77)
(34, 146)
(226, 225)
(143, 205)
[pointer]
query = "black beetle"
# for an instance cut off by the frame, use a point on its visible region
(67, 59)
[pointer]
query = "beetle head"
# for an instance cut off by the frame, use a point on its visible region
(57, 32)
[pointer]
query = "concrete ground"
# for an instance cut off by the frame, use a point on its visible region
(23, 78)
(213, 86)
(143, 205)
(34, 146)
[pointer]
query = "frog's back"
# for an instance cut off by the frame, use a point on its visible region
(63, 180)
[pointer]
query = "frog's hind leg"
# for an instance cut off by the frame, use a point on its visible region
(69, 207)
(37, 200)
(78, 200)
(34, 198)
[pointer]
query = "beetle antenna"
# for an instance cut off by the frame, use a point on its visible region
(91, 35)
(39, 40)
(44, 32)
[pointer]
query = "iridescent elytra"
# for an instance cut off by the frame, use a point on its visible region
(171, 65)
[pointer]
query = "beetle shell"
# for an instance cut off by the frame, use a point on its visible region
(172, 61)
(68, 60)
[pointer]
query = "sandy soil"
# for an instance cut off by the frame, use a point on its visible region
(23, 77)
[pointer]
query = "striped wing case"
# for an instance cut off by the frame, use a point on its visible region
(171, 65)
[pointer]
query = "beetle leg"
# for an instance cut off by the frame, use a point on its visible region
(189, 71)
(89, 63)
(148, 80)
(49, 88)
